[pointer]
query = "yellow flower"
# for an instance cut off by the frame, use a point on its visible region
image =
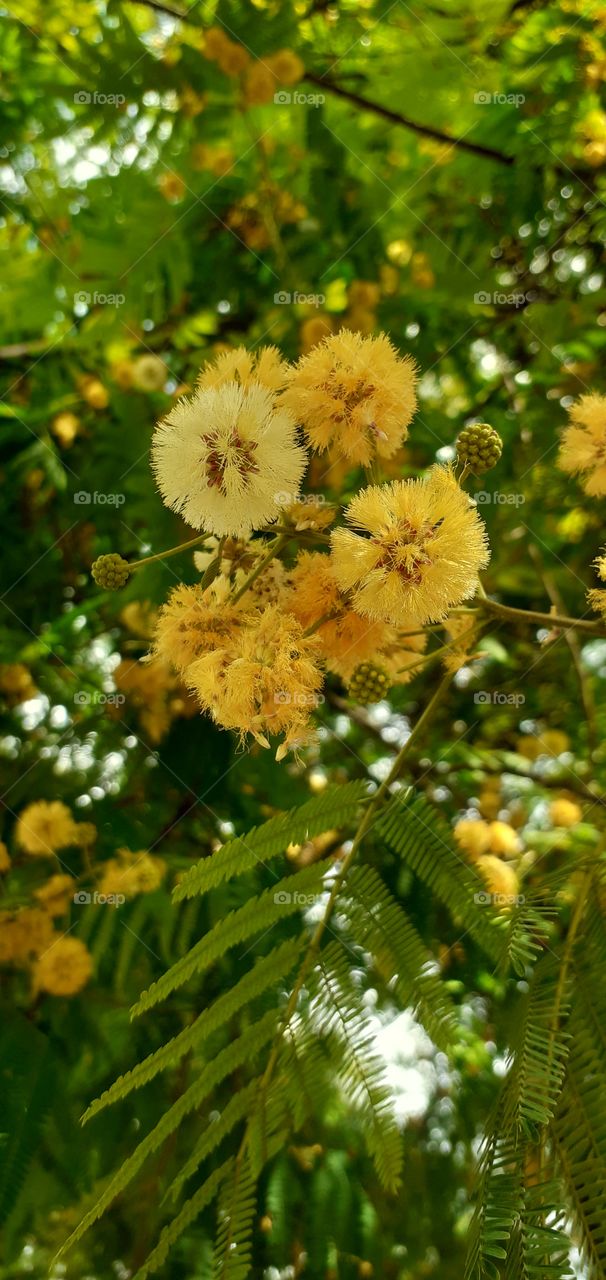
(348, 639)
(16, 682)
(55, 896)
(548, 742)
(501, 880)
(473, 837)
(264, 366)
(130, 874)
(564, 812)
(64, 969)
(24, 935)
(417, 553)
(233, 58)
(263, 680)
(223, 458)
(5, 862)
(149, 373)
(43, 827)
(171, 186)
(192, 622)
(139, 616)
(259, 85)
(583, 447)
(503, 839)
(313, 331)
(286, 66)
(215, 41)
(310, 512)
(65, 426)
(355, 393)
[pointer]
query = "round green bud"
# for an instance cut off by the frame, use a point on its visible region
(368, 683)
(111, 571)
(479, 448)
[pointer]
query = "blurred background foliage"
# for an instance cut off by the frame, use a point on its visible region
(431, 170)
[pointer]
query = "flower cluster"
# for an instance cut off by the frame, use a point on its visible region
(38, 939)
(281, 601)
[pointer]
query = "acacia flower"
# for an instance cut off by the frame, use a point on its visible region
(43, 827)
(264, 679)
(265, 365)
(414, 549)
(354, 393)
(223, 457)
(597, 596)
(64, 969)
(583, 446)
(192, 621)
(346, 639)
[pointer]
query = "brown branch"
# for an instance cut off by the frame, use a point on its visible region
(425, 130)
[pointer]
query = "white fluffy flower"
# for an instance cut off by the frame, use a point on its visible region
(225, 458)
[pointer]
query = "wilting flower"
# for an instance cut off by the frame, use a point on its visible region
(414, 549)
(55, 896)
(194, 621)
(43, 827)
(355, 393)
(223, 457)
(64, 969)
(130, 874)
(583, 447)
(346, 639)
(264, 679)
(245, 367)
(597, 596)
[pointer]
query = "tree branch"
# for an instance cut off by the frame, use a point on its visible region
(425, 130)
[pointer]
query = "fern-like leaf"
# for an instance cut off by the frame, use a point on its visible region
(256, 916)
(335, 807)
(269, 971)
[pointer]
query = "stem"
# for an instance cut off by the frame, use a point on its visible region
(425, 130)
(531, 615)
(314, 945)
(274, 550)
(296, 533)
(163, 555)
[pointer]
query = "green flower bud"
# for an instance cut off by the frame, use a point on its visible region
(368, 683)
(111, 572)
(479, 448)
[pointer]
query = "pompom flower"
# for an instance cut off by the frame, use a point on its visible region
(354, 393)
(192, 622)
(246, 367)
(597, 596)
(130, 874)
(414, 549)
(264, 679)
(224, 457)
(43, 827)
(56, 895)
(64, 969)
(346, 639)
(583, 447)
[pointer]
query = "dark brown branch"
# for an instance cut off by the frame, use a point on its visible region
(425, 130)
